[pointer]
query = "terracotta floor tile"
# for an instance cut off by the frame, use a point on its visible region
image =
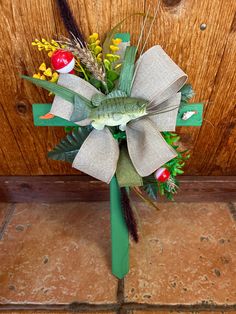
(57, 253)
(187, 256)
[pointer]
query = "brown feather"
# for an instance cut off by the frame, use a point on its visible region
(128, 214)
(69, 20)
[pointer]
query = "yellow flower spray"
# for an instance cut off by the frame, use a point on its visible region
(45, 73)
(49, 46)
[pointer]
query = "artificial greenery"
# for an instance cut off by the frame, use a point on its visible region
(187, 93)
(151, 186)
(68, 147)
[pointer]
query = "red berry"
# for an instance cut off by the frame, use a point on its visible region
(62, 61)
(162, 174)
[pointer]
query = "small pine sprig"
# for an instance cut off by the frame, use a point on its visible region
(187, 93)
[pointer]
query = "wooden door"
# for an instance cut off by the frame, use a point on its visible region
(200, 35)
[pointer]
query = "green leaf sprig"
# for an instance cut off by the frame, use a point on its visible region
(151, 186)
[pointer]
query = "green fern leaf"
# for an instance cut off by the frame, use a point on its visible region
(68, 148)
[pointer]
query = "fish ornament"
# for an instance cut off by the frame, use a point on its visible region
(114, 109)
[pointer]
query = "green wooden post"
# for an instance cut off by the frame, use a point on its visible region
(119, 233)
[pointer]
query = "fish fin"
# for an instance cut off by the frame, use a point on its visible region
(97, 126)
(116, 93)
(122, 127)
(97, 99)
(81, 109)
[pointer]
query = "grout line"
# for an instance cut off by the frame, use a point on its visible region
(120, 296)
(72, 307)
(120, 291)
(122, 308)
(232, 210)
(7, 220)
(84, 307)
(204, 307)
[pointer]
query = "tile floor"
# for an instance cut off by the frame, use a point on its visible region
(55, 258)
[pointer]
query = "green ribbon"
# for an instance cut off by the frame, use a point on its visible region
(125, 172)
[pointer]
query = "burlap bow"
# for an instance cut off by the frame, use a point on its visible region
(158, 80)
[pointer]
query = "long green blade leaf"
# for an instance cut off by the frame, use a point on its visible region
(127, 71)
(56, 89)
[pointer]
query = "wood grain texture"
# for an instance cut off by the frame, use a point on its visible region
(200, 54)
(84, 188)
(207, 56)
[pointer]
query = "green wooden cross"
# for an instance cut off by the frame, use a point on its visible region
(41, 109)
(119, 232)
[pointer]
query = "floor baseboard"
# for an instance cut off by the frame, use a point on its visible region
(84, 188)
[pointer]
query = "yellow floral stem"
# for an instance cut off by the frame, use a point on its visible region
(105, 86)
(82, 70)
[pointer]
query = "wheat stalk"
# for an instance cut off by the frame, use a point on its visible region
(86, 57)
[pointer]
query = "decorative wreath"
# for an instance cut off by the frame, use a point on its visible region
(120, 113)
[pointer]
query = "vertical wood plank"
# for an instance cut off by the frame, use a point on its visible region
(207, 56)
(9, 149)
(199, 54)
(217, 142)
(121, 9)
(21, 22)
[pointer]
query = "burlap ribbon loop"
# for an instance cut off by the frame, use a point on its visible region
(157, 77)
(158, 80)
(147, 148)
(98, 156)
